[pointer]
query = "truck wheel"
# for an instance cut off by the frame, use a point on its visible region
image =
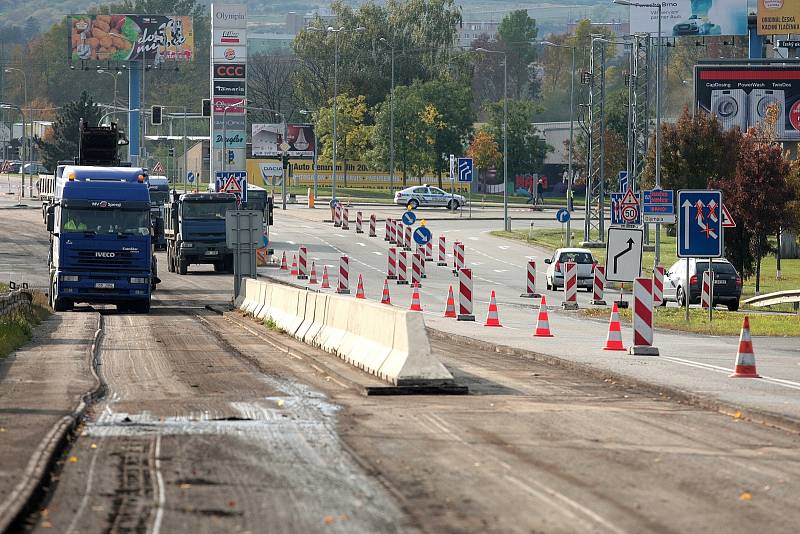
(60, 305)
(182, 266)
(229, 265)
(141, 307)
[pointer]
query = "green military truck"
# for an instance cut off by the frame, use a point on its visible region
(194, 228)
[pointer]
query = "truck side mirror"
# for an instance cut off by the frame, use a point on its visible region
(51, 219)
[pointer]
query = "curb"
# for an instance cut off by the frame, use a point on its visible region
(24, 497)
(755, 415)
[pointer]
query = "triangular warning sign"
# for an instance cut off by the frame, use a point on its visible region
(727, 220)
(158, 168)
(629, 199)
(232, 186)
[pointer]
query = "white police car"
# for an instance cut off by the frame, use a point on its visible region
(428, 196)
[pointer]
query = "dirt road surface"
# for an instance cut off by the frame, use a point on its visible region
(216, 424)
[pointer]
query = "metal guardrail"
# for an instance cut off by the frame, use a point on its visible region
(14, 300)
(791, 296)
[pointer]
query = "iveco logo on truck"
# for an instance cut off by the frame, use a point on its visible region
(105, 254)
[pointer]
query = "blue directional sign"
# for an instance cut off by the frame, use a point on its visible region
(623, 181)
(422, 236)
(190, 177)
(562, 215)
(409, 218)
(658, 206)
(625, 209)
(700, 224)
(464, 169)
(232, 182)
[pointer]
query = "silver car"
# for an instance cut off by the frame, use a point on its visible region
(555, 267)
(428, 196)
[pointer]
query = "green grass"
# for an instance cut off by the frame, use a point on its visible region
(724, 323)
(790, 269)
(17, 328)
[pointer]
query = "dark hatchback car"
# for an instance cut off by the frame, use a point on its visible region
(727, 282)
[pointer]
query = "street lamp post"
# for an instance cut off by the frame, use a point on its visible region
(658, 112)
(335, 32)
(25, 138)
(571, 128)
(391, 121)
(506, 222)
(113, 75)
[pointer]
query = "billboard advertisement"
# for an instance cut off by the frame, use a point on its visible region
(778, 16)
(267, 138)
(742, 96)
(692, 17)
(131, 37)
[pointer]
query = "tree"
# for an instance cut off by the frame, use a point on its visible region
(526, 150)
(66, 130)
(694, 152)
(514, 34)
(484, 151)
(352, 133)
(760, 197)
(270, 82)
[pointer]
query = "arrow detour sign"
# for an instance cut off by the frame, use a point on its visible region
(624, 254)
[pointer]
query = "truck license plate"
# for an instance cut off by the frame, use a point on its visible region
(212, 252)
(720, 282)
(104, 285)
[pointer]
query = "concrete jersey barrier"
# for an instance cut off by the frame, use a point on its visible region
(387, 342)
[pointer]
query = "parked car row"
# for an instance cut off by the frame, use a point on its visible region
(727, 281)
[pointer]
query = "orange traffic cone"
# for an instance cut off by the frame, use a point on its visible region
(450, 310)
(284, 267)
(415, 305)
(543, 323)
(492, 319)
(360, 289)
(326, 284)
(294, 265)
(745, 358)
(312, 278)
(614, 339)
(386, 299)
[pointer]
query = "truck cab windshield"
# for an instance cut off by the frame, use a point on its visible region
(206, 210)
(107, 221)
(157, 198)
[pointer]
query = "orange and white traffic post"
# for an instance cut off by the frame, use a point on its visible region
(415, 304)
(543, 321)
(614, 338)
(745, 357)
(386, 298)
(360, 288)
(492, 318)
(326, 283)
(450, 308)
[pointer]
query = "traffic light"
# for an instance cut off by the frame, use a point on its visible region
(171, 152)
(285, 160)
(206, 107)
(155, 115)
(270, 205)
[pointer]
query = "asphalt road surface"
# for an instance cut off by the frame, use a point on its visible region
(216, 424)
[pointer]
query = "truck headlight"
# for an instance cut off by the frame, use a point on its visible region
(184, 244)
(139, 280)
(69, 278)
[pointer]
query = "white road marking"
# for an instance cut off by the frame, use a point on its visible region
(501, 270)
(503, 247)
(777, 381)
(361, 244)
(378, 252)
(291, 242)
(472, 238)
(160, 484)
(86, 493)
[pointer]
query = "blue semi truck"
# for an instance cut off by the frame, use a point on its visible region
(101, 249)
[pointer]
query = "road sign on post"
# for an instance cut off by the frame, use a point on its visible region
(624, 254)
(422, 236)
(452, 167)
(190, 177)
(625, 209)
(700, 230)
(232, 182)
(623, 181)
(409, 218)
(464, 169)
(658, 206)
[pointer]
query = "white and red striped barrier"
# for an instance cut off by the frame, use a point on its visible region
(337, 215)
(402, 270)
(302, 263)
(344, 276)
(416, 269)
(345, 219)
(458, 257)
(387, 231)
(422, 262)
(570, 285)
(530, 281)
(398, 233)
(372, 224)
(598, 285)
(705, 292)
(392, 271)
(429, 250)
(359, 222)
(393, 227)
(407, 240)
(643, 318)
(465, 295)
(658, 285)
(442, 252)
(333, 214)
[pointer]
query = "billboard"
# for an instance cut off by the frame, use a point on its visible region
(267, 138)
(742, 95)
(778, 16)
(130, 37)
(692, 17)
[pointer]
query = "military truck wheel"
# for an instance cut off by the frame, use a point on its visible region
(183, 266)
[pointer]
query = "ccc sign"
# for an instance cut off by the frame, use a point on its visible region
(222, 70)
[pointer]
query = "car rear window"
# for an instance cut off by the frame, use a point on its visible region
(717, 267)
(577, 257)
